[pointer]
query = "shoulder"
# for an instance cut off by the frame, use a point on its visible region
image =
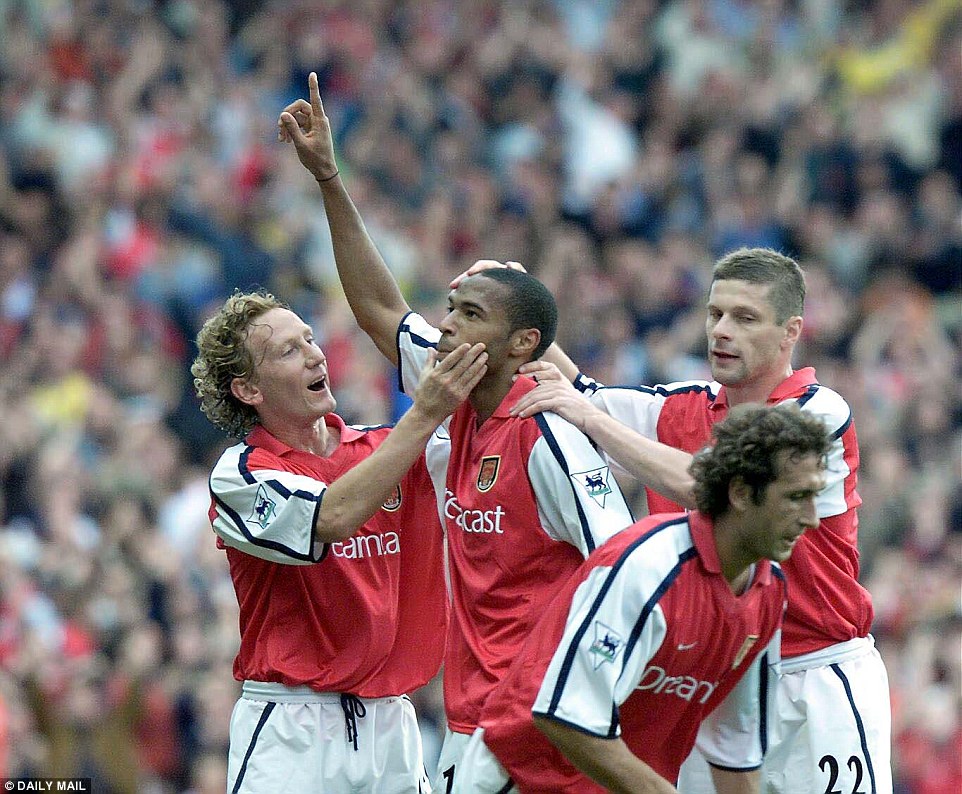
(827, 404)
(417, 330)
(653, 549)
(557, 432)
(238, 459)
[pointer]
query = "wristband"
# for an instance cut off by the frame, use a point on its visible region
(329, 178)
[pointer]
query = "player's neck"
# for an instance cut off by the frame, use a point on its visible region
(489, 394)
(736, 566)
(317, 438)
(757, 391)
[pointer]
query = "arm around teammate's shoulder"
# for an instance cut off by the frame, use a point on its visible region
(658, 466)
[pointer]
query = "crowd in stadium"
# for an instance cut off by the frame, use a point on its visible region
(615, 148)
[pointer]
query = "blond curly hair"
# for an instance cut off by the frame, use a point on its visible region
(223, 354)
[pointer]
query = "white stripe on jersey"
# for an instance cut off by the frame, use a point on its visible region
(832, 409)
(415, 337)
(578, 499)
(621, 602)
(266, 513)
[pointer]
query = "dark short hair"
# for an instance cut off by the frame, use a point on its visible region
(223, 354)
(765, 266)
(750, 444)
(528, 304)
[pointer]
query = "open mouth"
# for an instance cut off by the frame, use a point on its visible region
(318, 385)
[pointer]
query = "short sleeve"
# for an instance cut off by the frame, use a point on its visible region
(265, 511)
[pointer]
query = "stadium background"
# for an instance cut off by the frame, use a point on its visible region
(616, 148)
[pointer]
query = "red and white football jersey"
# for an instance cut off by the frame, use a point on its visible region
(828, 605)
(643, 643)
(525, 501)
(365, 615)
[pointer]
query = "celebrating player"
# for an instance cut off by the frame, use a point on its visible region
(335, 553)
(830, 721)
(656, 628)
(524, 501)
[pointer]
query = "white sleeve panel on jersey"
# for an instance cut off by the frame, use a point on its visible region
(638, 409)
(832, 409)
(437, 455)
(578, 499)
(586, 385)
(730, 737)
(614, 626)
(415, 337)
(266, 513)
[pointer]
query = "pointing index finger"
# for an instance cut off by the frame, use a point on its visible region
(316, 104)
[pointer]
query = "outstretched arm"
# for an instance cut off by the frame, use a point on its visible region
(368, 284)
(660, 467)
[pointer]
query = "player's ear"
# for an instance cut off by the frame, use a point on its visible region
(526, 341)
(739, 494)
(793, 330)
(245, 391)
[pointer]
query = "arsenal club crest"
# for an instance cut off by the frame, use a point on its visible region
(394, 501)
(488, 473)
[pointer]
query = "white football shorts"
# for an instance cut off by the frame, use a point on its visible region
(829, 726)
(295, 739)
(476, 770)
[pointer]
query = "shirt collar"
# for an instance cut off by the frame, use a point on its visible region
(793, 386)
(703, 535)
(259, 437)
(518, 389)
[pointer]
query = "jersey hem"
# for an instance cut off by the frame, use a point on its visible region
(734, 768)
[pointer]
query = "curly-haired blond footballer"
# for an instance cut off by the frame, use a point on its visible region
(223, 354)
(315, 517)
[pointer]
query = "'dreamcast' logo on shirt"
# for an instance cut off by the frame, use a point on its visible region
(480, 521)
(657, 679)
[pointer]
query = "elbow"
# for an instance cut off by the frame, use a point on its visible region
(333, 525)
(685, 495)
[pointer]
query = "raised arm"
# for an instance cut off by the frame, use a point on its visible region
(607, 761)
(368, 284)
(357, 494)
